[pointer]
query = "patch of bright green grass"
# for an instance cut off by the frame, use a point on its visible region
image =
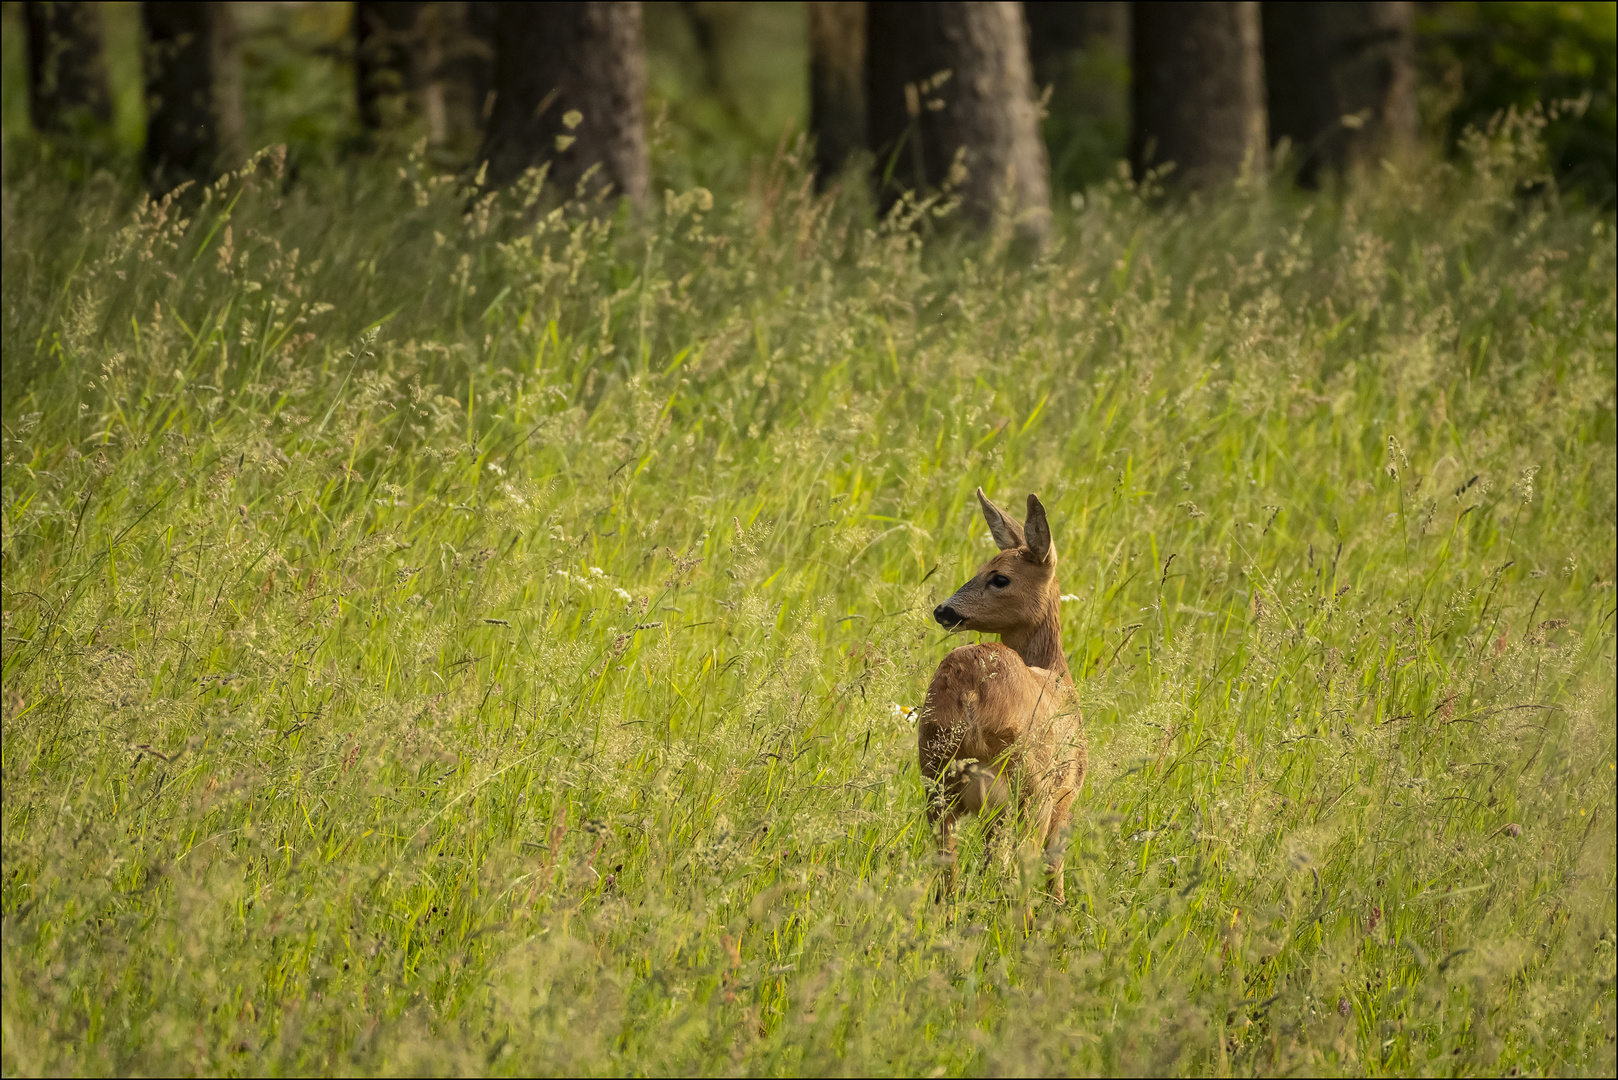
(471, 643)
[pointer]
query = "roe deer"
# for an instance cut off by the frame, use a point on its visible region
(1001, 723)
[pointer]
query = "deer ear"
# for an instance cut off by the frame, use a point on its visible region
(1006, 532)
(1038, 530)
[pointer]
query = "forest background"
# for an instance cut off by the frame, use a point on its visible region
(456, 618)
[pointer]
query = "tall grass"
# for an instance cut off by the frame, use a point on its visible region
(443, 634)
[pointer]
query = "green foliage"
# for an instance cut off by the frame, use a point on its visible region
(726, 83)
(298, 78)
(1482, 58)
(93, 146)
(297, 81)
(1086, 125)
(443, 637)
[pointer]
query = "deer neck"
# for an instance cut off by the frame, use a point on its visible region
(1040, 642)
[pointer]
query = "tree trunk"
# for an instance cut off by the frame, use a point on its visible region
(481, 25)
(1341, 81)
(383, 42)
(1198, 90)
(193, 92)
(67, 76)
(836, 84)
(570, 90)
(435, 60)
(1057, 30)
(951, 80)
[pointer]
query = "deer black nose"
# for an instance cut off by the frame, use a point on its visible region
(948, 617)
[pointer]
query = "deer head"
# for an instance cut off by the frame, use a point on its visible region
(1015, 594)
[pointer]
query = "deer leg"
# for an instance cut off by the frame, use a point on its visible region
(941, 814)
(983, 790)
(1027, 803)
(994, 820)
(1055, 844)
(946, 844)
(1031, 823)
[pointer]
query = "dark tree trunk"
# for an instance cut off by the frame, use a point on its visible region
(707, 41)
(435, 60)
(1198, 90)
(1341, 80)
(836, 84)
(193, 92)
(384, 34)
(570, 90)
(481, 24)
(952, 79)
(1059, 28)
(66, 73)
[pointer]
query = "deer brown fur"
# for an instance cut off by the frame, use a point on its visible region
(1001, 728)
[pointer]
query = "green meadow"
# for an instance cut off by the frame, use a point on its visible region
(458, 633)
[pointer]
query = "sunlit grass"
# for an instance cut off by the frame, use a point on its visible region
(471, 643)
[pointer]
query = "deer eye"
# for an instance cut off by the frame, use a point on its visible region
(999, 581)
